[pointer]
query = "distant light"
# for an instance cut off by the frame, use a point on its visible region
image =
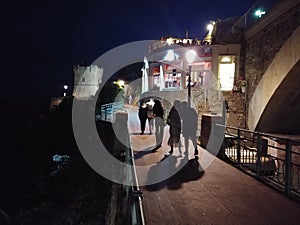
(184, 41)
(225, 59)
(65, 94)
(259, 13)
(210, 27)
(190, 56)
(169, 41)
(120, 83)
(65, 87)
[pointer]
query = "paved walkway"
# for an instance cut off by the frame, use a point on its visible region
(206, 190)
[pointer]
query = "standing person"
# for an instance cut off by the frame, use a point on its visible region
(150, 115)
(158, 113)
(130, 100)
(143, 115)
(174, 121)
(189, 126)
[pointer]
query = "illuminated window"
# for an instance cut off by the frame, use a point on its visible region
(226, 72)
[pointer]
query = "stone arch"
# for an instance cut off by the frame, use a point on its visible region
(278, 82)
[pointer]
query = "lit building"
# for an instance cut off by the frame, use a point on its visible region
(166, 67)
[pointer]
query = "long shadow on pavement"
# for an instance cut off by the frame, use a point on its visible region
(192, 170)
(146, 151)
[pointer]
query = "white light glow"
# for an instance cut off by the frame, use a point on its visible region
(65, 87)
(226, 72)
(259, 13)
(121, 82)
(169, 41)
(225, 59)
(210, 27)
(190, 56)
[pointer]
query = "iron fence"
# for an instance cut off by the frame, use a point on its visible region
(133, 195)
(108, 111)
(271, 158)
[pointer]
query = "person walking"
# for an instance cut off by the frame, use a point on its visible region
(150, 115)
(158, 113)
(174, 121)
(143, 116)
(189, 126)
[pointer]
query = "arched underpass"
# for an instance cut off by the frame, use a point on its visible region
(275, 104)
(282, 113)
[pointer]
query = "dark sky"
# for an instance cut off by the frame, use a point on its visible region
(46, 38)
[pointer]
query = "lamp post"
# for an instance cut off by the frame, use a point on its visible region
(190, 57)
(65, 88)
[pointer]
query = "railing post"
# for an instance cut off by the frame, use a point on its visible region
(238, 154)
(259, 153)
(223, 148)
(287, 177)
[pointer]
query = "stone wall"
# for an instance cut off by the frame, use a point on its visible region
(236, 114)
(263, 41)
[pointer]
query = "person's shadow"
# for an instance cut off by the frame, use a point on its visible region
(188, 170)
(140, 154)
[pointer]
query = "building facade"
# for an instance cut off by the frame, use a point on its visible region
(214, 74)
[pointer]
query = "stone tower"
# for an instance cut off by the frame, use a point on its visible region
(86, 81)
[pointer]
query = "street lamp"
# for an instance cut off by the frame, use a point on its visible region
(190, 57)
(65, 88)
(120, 83)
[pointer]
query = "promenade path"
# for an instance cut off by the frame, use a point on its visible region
(205, 190)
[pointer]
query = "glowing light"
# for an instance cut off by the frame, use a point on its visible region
(121, 83)
(169, 41)
(65, 87)
(190, 56)
(226, 75)
(210, 27)
(259, 13)
(225, 59)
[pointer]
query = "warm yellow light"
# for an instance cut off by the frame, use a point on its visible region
(121, 82)
(226, 59)
(226, 75)
(190, 56)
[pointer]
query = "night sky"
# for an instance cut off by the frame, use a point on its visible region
(44, 39)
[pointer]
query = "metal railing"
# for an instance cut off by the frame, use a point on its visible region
(272, 159)
(133, 192)
(108, 111)
(134, 213)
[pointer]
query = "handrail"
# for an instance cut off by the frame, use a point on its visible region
(140, 220)
(108, 110)
(273, 159)
(135, 212)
